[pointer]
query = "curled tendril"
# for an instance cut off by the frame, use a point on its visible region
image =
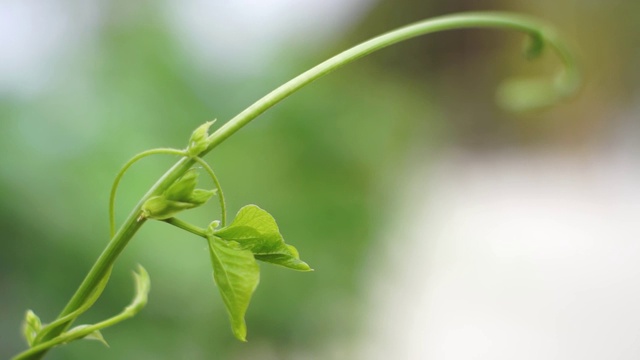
(516, 94)
(123, 170)
(223, 205)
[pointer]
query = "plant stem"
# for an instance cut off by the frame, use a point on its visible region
(568, 82)
(113, 250)
(139, 301)
(186, 226)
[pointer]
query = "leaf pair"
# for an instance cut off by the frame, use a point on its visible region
(253, 235)
(181, 195)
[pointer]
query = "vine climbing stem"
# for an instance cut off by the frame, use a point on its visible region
(567, 81)
(564, 85)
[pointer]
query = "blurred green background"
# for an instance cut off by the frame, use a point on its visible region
(86, 85)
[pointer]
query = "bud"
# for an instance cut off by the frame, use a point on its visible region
(159, 208)
(214, 225)
(183, 187)
(198, 142)
(181, 195)
(31, 327)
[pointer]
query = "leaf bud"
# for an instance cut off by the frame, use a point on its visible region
(198, 141)
(181, 195)
(31, 327)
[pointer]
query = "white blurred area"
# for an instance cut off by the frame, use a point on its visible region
(244, 36)
(522, 254)
(40, 37)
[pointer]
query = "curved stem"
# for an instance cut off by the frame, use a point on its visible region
(568, 82)
(123, 170)
(223, 204)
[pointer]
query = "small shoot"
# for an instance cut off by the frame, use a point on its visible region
(81, 329)
(181, 195)
(199, 139)
(31, 327)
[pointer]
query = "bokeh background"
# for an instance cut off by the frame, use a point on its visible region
(439, 225)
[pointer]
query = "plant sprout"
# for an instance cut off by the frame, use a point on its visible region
(253, 236)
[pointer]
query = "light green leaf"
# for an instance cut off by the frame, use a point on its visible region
(94, 335)
(257, 218)
(237, 275)
(31, 327)
(97, 335)
(143, 285)
(256, 230)
(290, 260)
(200, 196)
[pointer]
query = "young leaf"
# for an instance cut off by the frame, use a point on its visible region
(285, 260)
(198, 141)
(31, 327)
(94, 335)
(182, 188)
(143, 285)
(160, 208)
(237, 275)
(182, 195)
(256, 230)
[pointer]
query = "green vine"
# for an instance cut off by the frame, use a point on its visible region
(253, 235)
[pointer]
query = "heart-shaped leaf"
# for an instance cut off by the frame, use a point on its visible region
(237, 275)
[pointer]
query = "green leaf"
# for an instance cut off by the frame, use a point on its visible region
(200, 196)
(97, 335)
(256, 230)
(287, 260)
(143, 286)
(94, 335)
(31, 327)
(237, 275)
